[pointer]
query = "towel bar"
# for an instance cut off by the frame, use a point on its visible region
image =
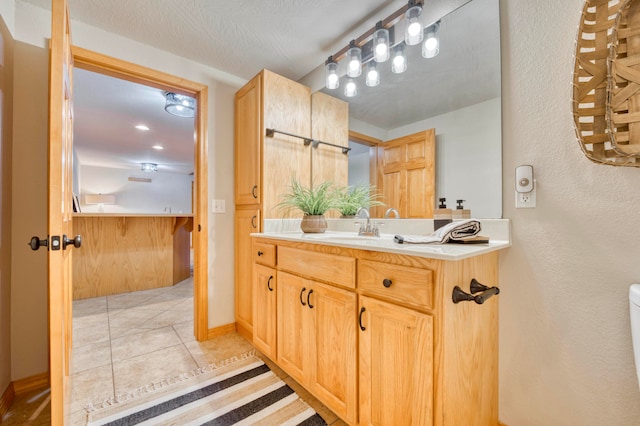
(459, 295)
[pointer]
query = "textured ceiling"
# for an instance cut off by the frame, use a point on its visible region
(292, 38)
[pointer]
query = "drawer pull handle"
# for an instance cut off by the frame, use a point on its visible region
(301, 293)
(360, 319)
(308, 301)
(253, 191)
(387, 282)
(260, 253)
(459, 295)
(269, 283)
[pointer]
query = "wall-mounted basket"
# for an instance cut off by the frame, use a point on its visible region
(590, 83)
(623, 81)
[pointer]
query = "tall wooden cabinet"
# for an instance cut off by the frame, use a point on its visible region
(264, 166)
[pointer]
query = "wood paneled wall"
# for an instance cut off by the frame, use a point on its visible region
(122, 254)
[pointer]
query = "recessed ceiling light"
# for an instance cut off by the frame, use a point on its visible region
(158, 147)
(142, 127)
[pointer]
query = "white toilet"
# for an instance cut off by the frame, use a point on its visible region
(634, 308)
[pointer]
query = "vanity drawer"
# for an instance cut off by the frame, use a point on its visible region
(264, 254)
(413, 286)
(332, 268)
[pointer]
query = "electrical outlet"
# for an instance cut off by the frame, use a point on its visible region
(526, 200)
(217, 206)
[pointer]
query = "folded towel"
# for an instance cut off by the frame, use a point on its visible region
(453, 231)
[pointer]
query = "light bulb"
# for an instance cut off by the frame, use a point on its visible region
(332, 81)
(399, 62)
(413, 27)
(373, 77)
(350, 89)
(431, 45)
(354, 60)
(381, 41)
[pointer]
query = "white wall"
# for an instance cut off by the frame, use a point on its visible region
(165, 191)
(565, 342)
(33, 26)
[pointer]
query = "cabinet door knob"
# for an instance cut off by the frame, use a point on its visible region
(253, 191)
(260, 253)
(309, 301)
(301, 293)
(269, 283)
(387, 282)
(360, 319)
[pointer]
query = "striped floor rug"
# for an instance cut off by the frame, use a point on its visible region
(244, 392)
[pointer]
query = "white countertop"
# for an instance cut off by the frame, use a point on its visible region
(385, 243)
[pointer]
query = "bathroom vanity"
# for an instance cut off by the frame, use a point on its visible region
(369, 326)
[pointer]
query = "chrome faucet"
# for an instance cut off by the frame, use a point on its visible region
(392, 210)
(367, 228)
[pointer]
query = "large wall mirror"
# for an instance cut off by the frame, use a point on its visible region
(457, 93)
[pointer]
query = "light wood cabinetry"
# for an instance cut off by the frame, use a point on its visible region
(264, 166)
(264, 310)
(247, 221)
(407, 174)
(421, 359)
(317, 340)
(396, 365)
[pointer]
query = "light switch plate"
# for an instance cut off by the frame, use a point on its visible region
(217, 206)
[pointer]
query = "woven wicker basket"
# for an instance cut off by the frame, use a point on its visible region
(590, 79)
(623, 82)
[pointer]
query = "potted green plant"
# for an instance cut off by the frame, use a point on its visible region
(313, 202)
(350, 198)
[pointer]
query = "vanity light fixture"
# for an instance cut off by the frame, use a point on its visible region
(431, 44)
(142, 127)
(158, 147)
(380, 43)
(413, 27)
(373, 76)
(399, 59)
(149, 167)
(332, 81)
(350, 89)
(180, 105)
(354, 60)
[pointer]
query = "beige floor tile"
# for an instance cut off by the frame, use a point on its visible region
(153, 367)
(131, 318)
(185, 331)
(83, 307)
(160, 303)
(142, 343)
(91, 356)
(168, 318)
(129, 300)
(219, 349)
(117, 332)
(90, 330)
(91, 386)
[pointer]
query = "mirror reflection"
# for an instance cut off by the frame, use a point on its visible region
(457, 93)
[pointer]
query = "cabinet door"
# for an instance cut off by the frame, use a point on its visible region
(294, 326)
(248, 133)
(264, 310)
(334, 371)
(246, 222)
(396, 365)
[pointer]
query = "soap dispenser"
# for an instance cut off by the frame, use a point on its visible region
(460, 212)
(442, 215)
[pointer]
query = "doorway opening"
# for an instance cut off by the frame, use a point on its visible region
(85, 60)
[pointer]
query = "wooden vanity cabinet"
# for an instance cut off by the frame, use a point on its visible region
(376, 336)
(317, 338)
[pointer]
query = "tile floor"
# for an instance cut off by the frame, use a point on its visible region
(127, 341)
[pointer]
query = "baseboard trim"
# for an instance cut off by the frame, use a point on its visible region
(30, 383)
(6, 400)
(221, 330)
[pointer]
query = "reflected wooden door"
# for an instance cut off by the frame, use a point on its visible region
(407, 174)
(60, 225)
